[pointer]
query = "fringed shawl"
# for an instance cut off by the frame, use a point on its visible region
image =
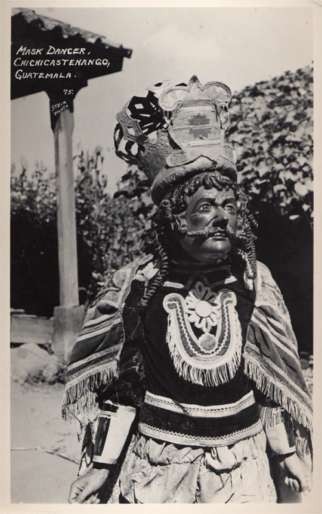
(270, 353)
(272, 360)
(93, 360)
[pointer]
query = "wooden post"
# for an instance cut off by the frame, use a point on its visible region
(69, 315)
(66, 220)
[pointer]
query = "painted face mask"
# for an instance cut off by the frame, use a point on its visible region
(209, 223)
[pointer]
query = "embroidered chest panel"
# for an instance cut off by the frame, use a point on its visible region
(204, 334)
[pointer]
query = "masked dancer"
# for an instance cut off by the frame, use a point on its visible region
(186, 375)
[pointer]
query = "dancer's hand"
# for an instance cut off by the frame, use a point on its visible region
(86, 487)
(297, 474)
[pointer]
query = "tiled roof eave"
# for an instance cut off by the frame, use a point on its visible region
(66, 31)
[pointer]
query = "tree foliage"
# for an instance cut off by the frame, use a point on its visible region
(108, 233)
(271, 130)
(107, 226)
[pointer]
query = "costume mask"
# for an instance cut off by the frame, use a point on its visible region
(211, 215)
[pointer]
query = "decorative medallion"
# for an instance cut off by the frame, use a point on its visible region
(212, 357)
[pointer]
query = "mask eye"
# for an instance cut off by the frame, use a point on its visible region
(231, 208)
(204, 207)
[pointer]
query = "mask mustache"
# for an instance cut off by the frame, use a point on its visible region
(211, 231)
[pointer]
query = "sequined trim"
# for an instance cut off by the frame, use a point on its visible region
(195, 440)
(206, 411)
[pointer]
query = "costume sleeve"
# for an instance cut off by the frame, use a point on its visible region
(277, 425)
(279, 430)
(120, 400)
(104, 385)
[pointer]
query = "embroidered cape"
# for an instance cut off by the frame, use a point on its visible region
(271, 356)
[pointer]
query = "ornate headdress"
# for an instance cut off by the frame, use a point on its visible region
(175, 132)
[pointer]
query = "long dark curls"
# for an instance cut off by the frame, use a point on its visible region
(165, 225)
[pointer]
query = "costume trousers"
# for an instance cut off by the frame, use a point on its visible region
(161, 472)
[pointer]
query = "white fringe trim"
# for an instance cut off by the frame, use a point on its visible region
(271, 416)
(275, 393)
(79, 399)
(208, 377)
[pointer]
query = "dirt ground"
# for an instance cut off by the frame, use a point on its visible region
(44, 447)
